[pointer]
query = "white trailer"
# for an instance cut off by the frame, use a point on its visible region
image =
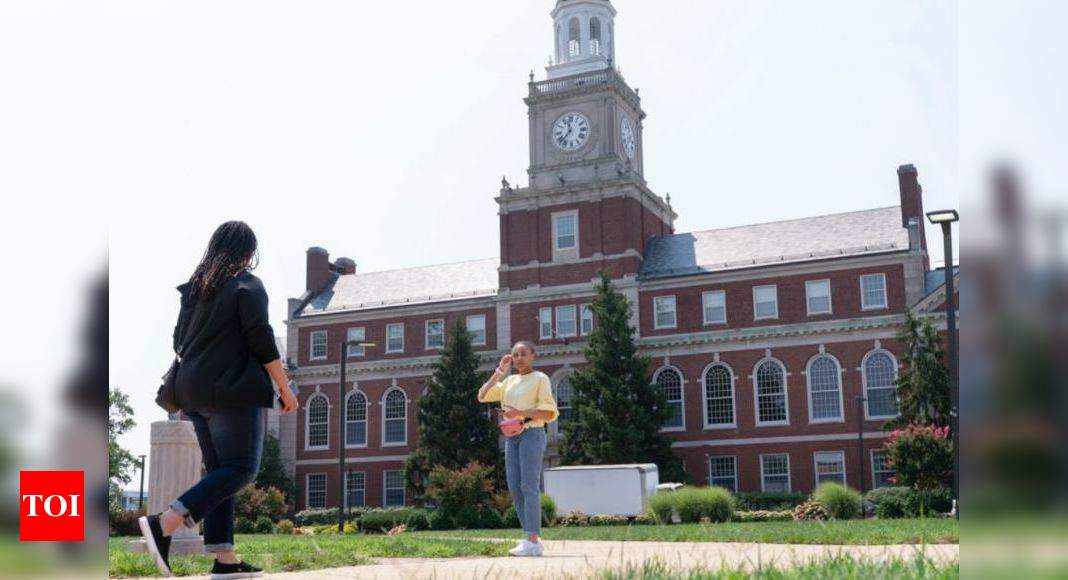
(622, 490)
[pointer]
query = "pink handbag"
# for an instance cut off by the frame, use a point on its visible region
(511, 427)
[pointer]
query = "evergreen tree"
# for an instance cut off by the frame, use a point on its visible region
(923, 383)
(617, 409)
(453, 427)
(272, 471)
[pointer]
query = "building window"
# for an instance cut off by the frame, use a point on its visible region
(587, 319)
(318, 345)
(880, 374)
(719, 396)
(830, 467)
(824, 390)
(318, 433)
(775, 473)
(664, 309)
(476, 327)
(765, 302)
(670, 381)
(873, 291)
(315, 490)
(395, 418)
(356, 420)
(574, 38)
(566, 324)
(564, 394)
(723, 472)
(395, 338)
(355, 488)
(595, 36)
(357, 334)
(394, 488)
(435, 334)
(818, 296)
(715, 307)
(565, 231)
(545, 323)
(771, 393)
(880, 469)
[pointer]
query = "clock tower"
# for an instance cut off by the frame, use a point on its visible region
(586, 164)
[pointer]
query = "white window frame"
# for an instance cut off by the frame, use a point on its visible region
(585, 309)
(809, 284)
(426, 334)
(666, 299)
(366, 420)
(356, 351)
(307, 423)
(775, 290)
(785, 392)
(734, 459)
(545, 320)
(874, 480)
(863, 295)
(808, 389)
(682, 396)
(816, 465)
(704, 306)
(311, 345)
(864, 383)
(574, 318)
(568, 253)
(347, 488)
(388, 328)
(307, 489)
(704, 397)
(385, 398)
(467, 323)
(385, 490)
(763, 475)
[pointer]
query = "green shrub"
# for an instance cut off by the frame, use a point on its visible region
(324, 529)
(264, 525)
(466, 518)
(441, 519)
(417, 520)
(764, 516)
(811, 510)
(842, 503)
(921, 456)
(489, 518)
(573, 519)
(769, 501)
(511, 519)
(322, 516)
(644, 519)
(244, 526)
(124, 523)
(696, 503)
(934, 501)
(253, 503)
(284, 527)
(890, 502)
(548, 510)
(380, 520)
(662, 504)
(608, 520)
(350, 528)
(454, 489)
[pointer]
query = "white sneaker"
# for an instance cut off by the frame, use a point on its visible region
(527, 548)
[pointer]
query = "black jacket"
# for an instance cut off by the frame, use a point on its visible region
(226, 342)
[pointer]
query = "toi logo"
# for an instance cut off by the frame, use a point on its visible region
(51, 506)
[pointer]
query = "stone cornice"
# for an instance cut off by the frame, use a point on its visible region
(526, 199)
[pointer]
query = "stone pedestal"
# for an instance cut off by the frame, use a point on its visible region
(175, 467)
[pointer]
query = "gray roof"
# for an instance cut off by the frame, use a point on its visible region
(837, 235)
(406, 286)
(936, 278)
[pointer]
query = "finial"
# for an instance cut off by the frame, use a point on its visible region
(505, 186)
(532, 75)
(669, 199)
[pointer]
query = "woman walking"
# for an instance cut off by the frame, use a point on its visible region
(228, 362)
(527, 400)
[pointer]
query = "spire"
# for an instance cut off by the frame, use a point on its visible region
(584, 36)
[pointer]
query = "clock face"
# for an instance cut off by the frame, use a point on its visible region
(571, 131)
(630, 140)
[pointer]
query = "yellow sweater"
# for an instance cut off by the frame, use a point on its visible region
(524, 392)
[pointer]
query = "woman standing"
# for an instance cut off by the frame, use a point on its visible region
(526, 396)
(228, 362)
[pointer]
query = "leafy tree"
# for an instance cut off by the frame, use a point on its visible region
(120, 420)
(923, 383)
(921, 456)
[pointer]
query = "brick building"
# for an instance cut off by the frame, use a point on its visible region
(763, 336)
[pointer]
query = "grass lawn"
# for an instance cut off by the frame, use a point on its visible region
(840, 567)
(874, 532)
(288, 553)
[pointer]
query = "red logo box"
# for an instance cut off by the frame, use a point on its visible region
(51, 506)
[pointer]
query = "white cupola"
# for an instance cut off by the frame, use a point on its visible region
(585, 37)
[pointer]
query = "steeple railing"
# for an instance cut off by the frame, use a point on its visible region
(606, 77)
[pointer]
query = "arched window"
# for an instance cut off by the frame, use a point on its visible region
(574, 38)
(356, 419)
(595, 36)
(719, 396)
(824, 390)
(771, 393)
(318, 425)
(564, 392)
(880, 372)
(670, 381)
(395, 418)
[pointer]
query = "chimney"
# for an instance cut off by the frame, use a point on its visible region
(318, 271)
(912, 204)
(345, 266)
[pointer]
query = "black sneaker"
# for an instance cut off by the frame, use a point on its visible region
(228, 571)
(159, 546)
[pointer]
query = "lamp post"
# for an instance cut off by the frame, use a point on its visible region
(946, 218)
(141, 494)
(860, 442)
(342, 499)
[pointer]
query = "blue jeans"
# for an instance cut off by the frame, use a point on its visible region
(231, 443)
(522, 462)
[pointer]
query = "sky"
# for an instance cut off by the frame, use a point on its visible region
(380, 131)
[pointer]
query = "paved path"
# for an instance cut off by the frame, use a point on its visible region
(581, 558)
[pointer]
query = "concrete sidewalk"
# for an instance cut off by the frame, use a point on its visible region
(580, 559)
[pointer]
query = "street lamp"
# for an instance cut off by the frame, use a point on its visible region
(342, 496)
(860, 442)
(945, 218)
(141, 494)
